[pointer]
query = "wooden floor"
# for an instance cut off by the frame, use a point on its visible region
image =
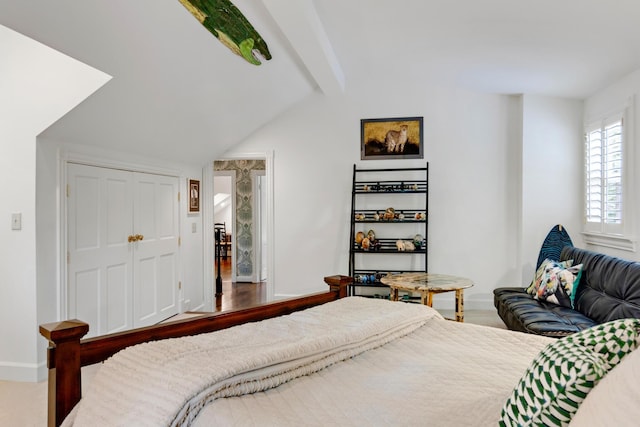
(237, 294)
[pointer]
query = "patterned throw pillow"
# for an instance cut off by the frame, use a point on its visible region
(556, 282)
(562, 375)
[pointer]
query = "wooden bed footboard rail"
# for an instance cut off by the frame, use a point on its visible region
(67, 352)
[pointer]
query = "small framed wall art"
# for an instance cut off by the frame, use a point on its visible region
(396, 138)
(194, 196)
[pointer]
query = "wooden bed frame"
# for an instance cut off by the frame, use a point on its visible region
(68, 352)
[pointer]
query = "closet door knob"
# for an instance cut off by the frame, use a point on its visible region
(139, 237)
(131, 238)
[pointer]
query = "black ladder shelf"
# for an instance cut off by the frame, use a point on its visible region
(374, 196)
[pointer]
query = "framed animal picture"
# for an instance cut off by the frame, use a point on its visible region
(194, 196)
(399, 138)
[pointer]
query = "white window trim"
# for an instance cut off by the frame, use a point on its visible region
(623, 238)
(609, 241)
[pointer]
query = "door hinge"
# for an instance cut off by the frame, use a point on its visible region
(179, 285)
(179, 241)
(67, 190)
(68, 257)
(178, 196)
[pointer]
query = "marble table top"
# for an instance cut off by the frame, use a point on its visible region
(426, 282)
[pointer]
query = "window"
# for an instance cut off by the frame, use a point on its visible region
(607, 198)
(603, 149)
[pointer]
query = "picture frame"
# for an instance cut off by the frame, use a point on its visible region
(392, 138)
(194, 196)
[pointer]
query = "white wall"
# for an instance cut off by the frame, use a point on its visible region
(612, 99)
(38, 86)
(473, 142)
(552, 170)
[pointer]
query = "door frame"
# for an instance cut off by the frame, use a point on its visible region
(232, 175)
(259, 222)
(65, 157)
(209, 239)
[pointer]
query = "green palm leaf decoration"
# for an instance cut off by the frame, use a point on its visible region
(230, 26)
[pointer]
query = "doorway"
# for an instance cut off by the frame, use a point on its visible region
(224, 220)
(252, 247)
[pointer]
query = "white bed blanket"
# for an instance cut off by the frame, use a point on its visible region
(445, 374)
(168, 382)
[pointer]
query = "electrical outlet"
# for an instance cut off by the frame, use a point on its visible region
(16, 221)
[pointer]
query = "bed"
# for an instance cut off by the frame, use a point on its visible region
(325, 359)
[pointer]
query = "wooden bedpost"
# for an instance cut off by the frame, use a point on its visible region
(63, 361)
(339, 283)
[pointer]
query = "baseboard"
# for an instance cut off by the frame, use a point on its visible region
(285, 296)
(441, 302)
(23, 372)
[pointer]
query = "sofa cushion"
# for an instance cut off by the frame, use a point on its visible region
(609, 287)
(561, 376)
(520, 312)
(555, 282)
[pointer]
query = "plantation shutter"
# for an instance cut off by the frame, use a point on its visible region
(604, 176)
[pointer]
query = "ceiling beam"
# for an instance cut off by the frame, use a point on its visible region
(301, 25)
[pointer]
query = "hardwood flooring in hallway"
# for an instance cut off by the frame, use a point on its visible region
(237, 294)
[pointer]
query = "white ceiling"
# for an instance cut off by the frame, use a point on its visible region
(178, 93)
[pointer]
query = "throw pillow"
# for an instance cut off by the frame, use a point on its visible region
(537, 278)
(562, 375)
(556, 282)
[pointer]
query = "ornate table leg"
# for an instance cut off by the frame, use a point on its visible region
(459, 305)
(393, 296)
(429, 296)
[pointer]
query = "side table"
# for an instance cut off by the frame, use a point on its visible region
(428, 284)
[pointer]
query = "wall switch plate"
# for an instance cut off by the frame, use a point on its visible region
(16, 221)
(194, 227)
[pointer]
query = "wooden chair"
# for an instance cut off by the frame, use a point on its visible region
(220, 231)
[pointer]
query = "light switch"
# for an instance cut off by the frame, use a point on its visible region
(194, 227)
(16, 221)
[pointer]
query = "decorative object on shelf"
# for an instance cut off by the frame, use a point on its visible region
(194, 196)
(389, 214)
(371, 235)
(225, 21)
(405, 245)
(420, 216)
(396, 138)
(360, 217)
(366, 243)
(359, 237)
(400, 216)
(376, 216)
(418, 241)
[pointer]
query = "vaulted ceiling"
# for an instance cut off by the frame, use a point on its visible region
(178, 93)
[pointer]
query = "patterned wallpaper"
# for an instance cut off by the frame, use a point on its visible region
(243, 229)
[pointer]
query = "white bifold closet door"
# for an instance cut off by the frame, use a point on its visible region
(123, 248)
